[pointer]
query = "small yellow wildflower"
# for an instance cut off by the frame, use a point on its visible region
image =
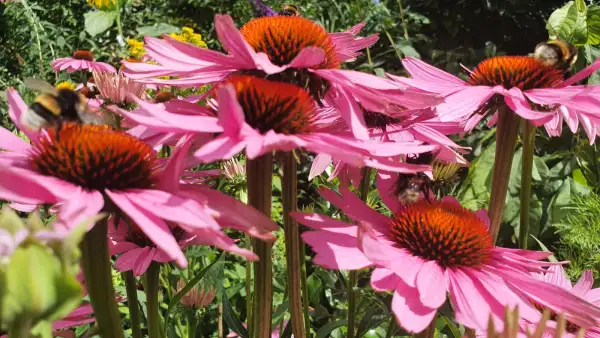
(66, 85)
(187, 35)
(103, 5)
(136, 48)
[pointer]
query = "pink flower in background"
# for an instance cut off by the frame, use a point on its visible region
(301, 52)
(261, 116)
(198, 297)
(116, 87)
(582, 289)
(91, 167)
(426, 251)
(530, 89)
(81, 60)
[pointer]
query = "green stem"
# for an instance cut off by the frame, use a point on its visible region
(526, 172)
(403, 19)
(119, 27)
(249, 287)
(192, 323)
(132, 303)
(152, 304)
(95, 263)
(507, 129)
(20, 328)
(292, 244)
(259, 177)
(363, 191)
(220, 322)
(391, 327)
(304, 285)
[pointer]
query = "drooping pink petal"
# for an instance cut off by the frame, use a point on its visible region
(351, 113)
(222, 147)
(231, 113)
(386, 185)
(434, 76)
(463, 103)
(121, 247)
(383, 279)
(11, 142)
(409, 311)
(28, 187)
(143, 260)
(353, 207)
(517, 102)
(169, 177)
(319, 165)
(336, 251)
(308, 57)
(16, 108)
(221, 241)
(74, 211)
(584, 284)
(585, 72)
(126, 261)
(322, 222)
(155, 228)
(429, 279)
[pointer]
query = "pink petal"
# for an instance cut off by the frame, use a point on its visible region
(11, 142)
(78, 209)
(221, 241)
(423, 71)
(28, 187)
(221, 148)
(556, 275)
(232, 40)
(336, 251)
(471, 302)
(518, 104)
(410, 313)
(585, 283)
(322, 222)
(127, 260)
(308, 57)
(351, 113)
(463, 103)
(169, 178)
(429, 279)
(585, 72)
(353, 207)
(383, 279)
(143, 261)
(319, 165)
(155, 228)
(231, 113)
(385, 185)
(16, 108)
(121, 247)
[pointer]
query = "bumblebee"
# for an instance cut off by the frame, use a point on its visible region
(54, 106)
(289, 10)
(556, 53)
(412, 188)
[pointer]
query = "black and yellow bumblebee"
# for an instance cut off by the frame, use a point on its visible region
(411, 188)
(289, 10)
(52, 107)
(557, 54)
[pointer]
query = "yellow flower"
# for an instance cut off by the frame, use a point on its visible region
(187, 35)
(136, 48)
(103, 5)
(66, 85)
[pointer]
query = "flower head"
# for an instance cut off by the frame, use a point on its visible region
(198, 297)
(187, 35)
(525, 85)
(89, 169)
(103, 5)
(426, 251)
(81, 60)
(117, 88)
(285, 49)
(136, 49)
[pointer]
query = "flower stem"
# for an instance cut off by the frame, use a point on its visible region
(391, 327)
(132, 303)
(304, 285)
(220, 322)
(192, 324)
(248, 287)
(363, 191)
(292, 244)
(95, 263)
(20, 328)
(152, 305)
(526, 172)
(507, 129)
(119, 26)
(259, 177)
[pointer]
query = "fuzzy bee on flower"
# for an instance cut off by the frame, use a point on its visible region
(557, 54)
(55, 106)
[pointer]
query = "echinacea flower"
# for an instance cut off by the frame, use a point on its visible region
(261, 116)
(90, 168)
(81, 60)
(583, 289)
(530, 89)
(117, 88)
(427, 251)
(198, 297)
(288, 49)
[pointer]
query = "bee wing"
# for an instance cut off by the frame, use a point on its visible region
(40, 85)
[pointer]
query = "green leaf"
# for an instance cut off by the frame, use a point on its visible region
(326, 329)
(475, 190)
(592, 53)
(315, 286)
(593, 25)
(233, 322)
(569, 23)
(373, 317)
(545, 249)
(407, 49)
(453, 328)
(10, 221)
(540, 169)
(579, 177)
(97, 22)
(157, 29)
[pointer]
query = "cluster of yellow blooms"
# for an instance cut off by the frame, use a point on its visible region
(136, 49)
(103, 5)
(187, 35)
(66, 85)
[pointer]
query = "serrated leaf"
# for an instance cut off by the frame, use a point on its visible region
(326, 329)
(569, 23)
(592, 53)
(97, 22)
(593, 25)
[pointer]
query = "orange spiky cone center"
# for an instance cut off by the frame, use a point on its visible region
(522, 72)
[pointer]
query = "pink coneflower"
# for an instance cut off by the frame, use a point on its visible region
(116, 88)
(428, 250)
(261, 116)
(90, 168)
(198, 297)
(583, 289)
(287, 49)
(81, 60)
(529, 88)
